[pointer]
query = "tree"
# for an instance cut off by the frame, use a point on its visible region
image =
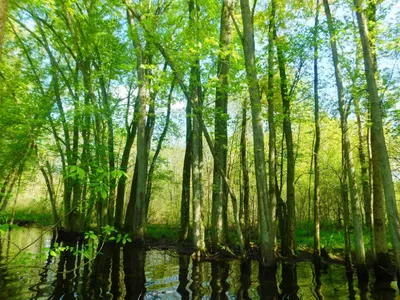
(317, 243)
(343, 110)
(220, 195)
(378, 134)
(265, 209)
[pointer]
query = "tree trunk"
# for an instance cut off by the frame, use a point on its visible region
(290, 232)
(197, 150)
(346, 213)
(317, 243)
(266, 211)
(378, 135)
(355, 200)
(220, 195)
(121, 187)
(139, 205)
(245, 175)
(3, 21)
(271, 117)
(46, 172)
(186, 176)
(158, 149)
(199, 118)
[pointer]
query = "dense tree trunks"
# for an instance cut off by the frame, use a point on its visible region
(289, 245)
(197, 149)
(317, 243)
(158, 149)
(355, 200)
(220, 194)
(199, 118)
(378, 134)
(245, 191)
(131, 131)
(266, 213)
(364, 172)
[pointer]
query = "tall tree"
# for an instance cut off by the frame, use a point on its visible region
(197, 150)
(220, 193)
(317, 243)
(139, 215)
(378, 134)
(288, 236)
(343, 111)
(265, 209)
(272, 193)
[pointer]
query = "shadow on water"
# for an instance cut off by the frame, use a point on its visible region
(135, 279)
(245, 280)
(184, 261)
(130, 272)
(267, 288)
(289, 285)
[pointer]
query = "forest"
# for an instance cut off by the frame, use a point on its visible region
(248, 129)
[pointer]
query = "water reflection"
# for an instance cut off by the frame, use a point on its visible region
(134, 273)
(289, 285)
(219, 276)
(135, 279)
(184, 261)
(268, 285)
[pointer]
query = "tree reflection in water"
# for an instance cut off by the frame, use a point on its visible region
(120, 273)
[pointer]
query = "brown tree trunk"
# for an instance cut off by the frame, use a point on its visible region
(186, 176)
(289, 244)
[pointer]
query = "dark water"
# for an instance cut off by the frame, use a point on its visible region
(133, 274)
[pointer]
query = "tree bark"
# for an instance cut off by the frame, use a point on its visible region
(378, 135)
(317, 243)
(121, 187)
(289, 246)
(197, 150)
(46, 172)
(272, 193)
(355, 200)
(245, 178)
(186, 176)
(139, 216)
(220, 195)
(346, 213)
(266, 211)
(158, 149)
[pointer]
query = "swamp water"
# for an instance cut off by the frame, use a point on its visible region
(154, 274)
